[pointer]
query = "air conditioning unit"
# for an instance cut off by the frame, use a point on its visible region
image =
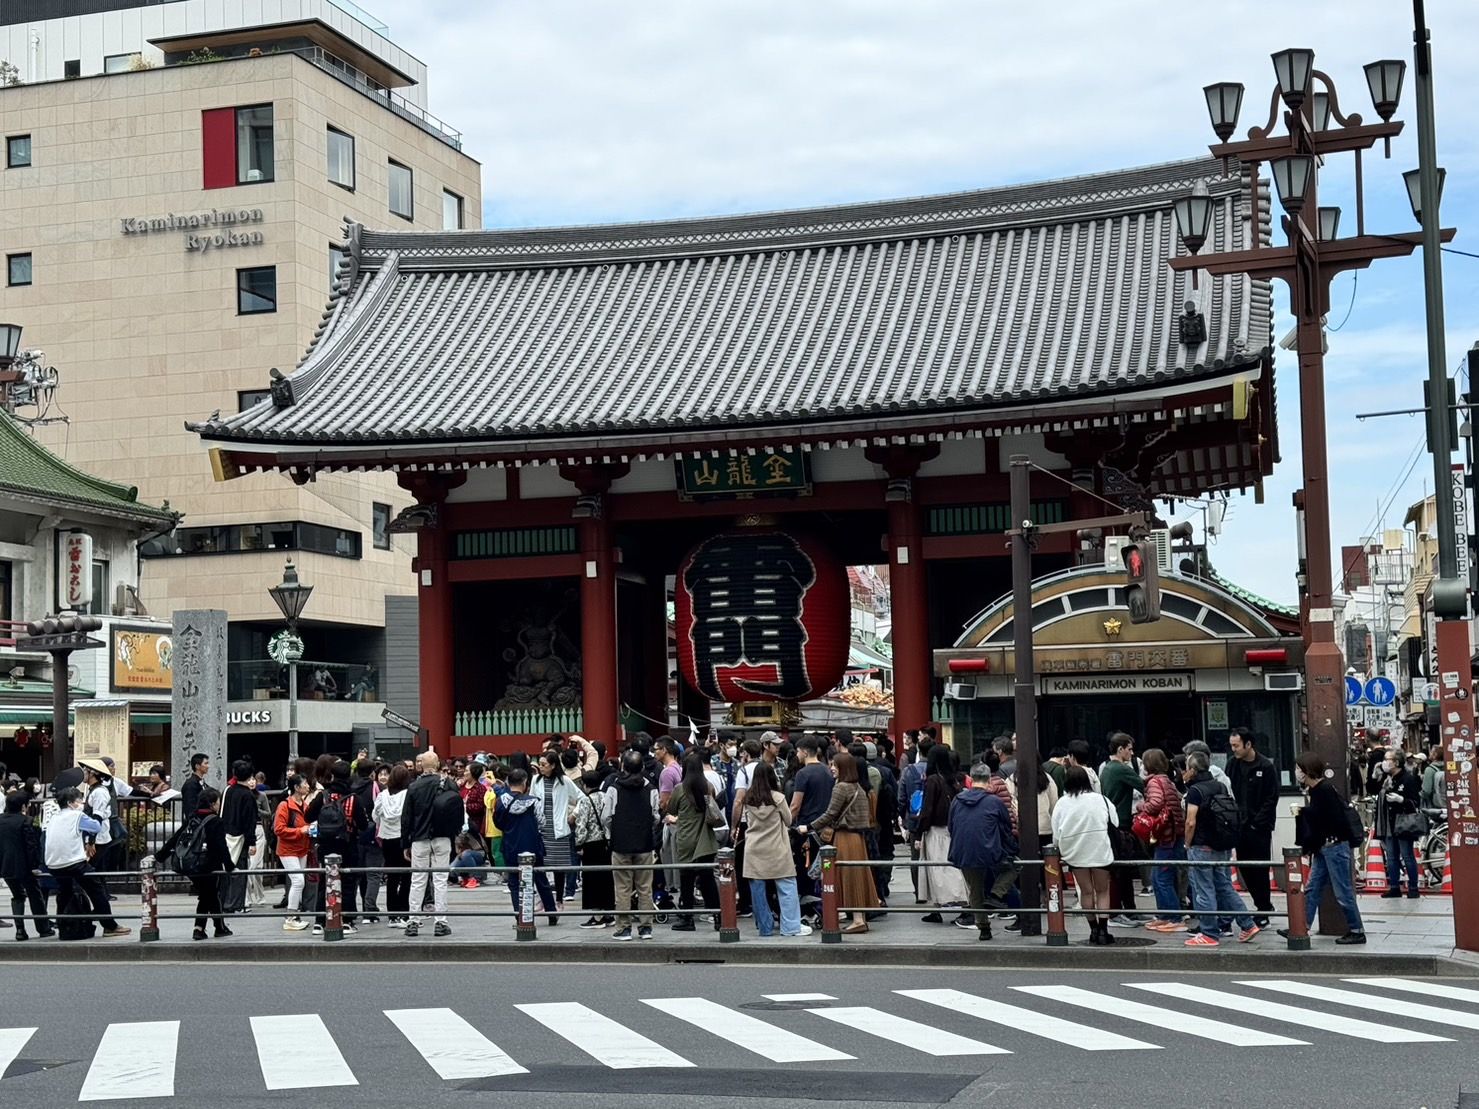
(960, 691)
(1286, 681)
(1161, 537)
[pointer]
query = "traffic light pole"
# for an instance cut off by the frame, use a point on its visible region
(61, 735)
(1024, 685)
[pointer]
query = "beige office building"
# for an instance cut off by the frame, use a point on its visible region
(168, 232)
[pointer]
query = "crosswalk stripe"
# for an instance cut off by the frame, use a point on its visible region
(12, 1041)
(452, 1046)
(1231, 1034)
(1432, 989)
(1292, 1014)
(764, 1039)
(1390, 1006)
(133, 1060)
(1025, 1020)
(296, 1052)
(603, 1039)
(798, 997)
(909, 1033)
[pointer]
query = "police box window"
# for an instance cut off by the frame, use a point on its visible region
(17, 151)
(256, 290)
(380, 525)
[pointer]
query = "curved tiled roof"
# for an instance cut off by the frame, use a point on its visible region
(952, 304)
(31, 472)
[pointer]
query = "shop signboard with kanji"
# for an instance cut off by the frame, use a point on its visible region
(764, 473)
(74, 575)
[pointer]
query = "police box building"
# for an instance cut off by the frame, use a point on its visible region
(724, 414)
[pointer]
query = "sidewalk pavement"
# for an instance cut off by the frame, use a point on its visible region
(1404, 937)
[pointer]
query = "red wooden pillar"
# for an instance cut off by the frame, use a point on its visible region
(434, 607)
(600, 700)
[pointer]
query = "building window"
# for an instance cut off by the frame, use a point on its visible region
(380, 525)
(121, 63)
(400, 190)
(256, 290)
(338, 255)
(248, 538)
(18, 269)
(7, 578)
(17, 151)
(72, 68)
(341, 159)
(99, 605)
(250, 398)
(451, 211)
(236, 146)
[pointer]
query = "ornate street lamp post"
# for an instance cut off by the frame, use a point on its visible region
(1316, 128)
(285, 648)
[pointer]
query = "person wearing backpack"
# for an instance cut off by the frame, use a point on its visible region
(1212, 826)
(432, 815)
(910, 803)
(1326, 833)
(198, 851)
(338, 819)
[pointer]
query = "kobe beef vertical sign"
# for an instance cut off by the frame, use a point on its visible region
(74, 575)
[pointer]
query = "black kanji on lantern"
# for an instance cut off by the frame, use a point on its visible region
(748, 595)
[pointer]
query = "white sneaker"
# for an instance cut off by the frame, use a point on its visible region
(349, 930)
(294, 924)
(805, 931)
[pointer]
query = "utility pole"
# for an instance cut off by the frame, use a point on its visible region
(1024, 685)
(1450, 593)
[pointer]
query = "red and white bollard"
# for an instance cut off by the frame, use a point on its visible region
(148, 903)
(831, 918)
(1052, 873)
(524, 924)
(728, 896)
(333, 898)
(1299, 929)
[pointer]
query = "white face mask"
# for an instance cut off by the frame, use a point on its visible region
(731, 751)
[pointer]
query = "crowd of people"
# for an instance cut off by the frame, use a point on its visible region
(631, 835)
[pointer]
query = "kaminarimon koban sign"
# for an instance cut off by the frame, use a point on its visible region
(210, 230)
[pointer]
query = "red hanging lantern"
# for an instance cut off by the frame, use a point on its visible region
(22, 737)
(762, 616)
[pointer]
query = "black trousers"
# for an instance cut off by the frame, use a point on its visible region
(79, 877)
(23, 890)
(397, 886)
(1256, 845)
(708, 889)
(599, 892)
(207, 901)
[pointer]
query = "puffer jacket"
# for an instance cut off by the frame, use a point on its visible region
(1161, 798)
(997, 786)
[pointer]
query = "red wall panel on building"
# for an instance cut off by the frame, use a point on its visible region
(218, 147)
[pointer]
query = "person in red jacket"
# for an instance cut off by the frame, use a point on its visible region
(290, 825)
(1163, 807)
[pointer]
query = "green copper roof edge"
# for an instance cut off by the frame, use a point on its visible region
(110, 495)
(1253, 598)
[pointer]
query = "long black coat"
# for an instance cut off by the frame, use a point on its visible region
(20, 846)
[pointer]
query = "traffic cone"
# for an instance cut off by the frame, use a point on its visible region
(1376, 867)
(1447, 886)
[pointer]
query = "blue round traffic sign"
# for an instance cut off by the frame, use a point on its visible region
(1353, 690)
(1381, 691)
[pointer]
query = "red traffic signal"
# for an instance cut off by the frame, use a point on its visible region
(1142, 581)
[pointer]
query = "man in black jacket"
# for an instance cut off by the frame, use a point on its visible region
(430, 836)
(239, 818)
(20, 858)
(1255, 785)
(634, 807)
(339, 819)
(200, 766)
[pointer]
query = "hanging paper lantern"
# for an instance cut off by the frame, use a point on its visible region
(22, 737)
(762, 616)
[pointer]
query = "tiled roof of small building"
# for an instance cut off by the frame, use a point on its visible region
(31, 472)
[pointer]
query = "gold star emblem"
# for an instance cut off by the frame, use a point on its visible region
(1111, 627)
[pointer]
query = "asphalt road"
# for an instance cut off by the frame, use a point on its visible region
(620, 1036)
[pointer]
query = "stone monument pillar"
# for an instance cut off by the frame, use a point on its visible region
(199, 638)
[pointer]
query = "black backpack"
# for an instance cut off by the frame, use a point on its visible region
(1224, 822)
(334, 816)
(447, 812)
(191, 856)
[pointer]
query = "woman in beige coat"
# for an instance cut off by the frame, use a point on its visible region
(767, 822)
(850, 815)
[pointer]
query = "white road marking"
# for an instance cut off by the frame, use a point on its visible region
(1067, 1032)
(297, 1053)
(1389, 1006)
(798, 997)
(1234, 1035)
(1292, 1014)
(12, 1041)
(603, 1039)
(452, 1046)
(909, 1033)
(742, 1030)
(1453, 993)
(133, 1060)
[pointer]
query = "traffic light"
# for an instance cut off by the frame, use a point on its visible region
(1142, 581)
(60, 633)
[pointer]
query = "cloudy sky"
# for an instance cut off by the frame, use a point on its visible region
(590, 110)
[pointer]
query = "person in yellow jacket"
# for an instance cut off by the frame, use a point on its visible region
(492, 834)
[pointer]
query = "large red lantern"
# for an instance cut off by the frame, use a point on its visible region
(762, 616)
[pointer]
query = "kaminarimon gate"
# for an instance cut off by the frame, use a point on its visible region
(728, 412)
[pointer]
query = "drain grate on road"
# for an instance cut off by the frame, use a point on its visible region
(1122, 941)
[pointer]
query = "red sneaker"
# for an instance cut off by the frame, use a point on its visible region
(1201, 939)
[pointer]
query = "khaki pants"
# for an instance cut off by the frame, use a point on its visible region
(636, 880)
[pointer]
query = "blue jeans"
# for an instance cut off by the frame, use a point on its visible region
(469, 864)
(1212, 890)
(785, 889)
(1163, 880)
(1331, 865)
(1400, 853)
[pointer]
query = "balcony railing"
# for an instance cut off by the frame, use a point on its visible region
(533, 721)
(10, 630)
(317, 681)
(392, 100)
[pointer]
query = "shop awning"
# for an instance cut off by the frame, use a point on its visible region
(860, 657)
(22, 714)
(149, 717)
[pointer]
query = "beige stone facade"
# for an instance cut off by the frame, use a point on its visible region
(146, 333)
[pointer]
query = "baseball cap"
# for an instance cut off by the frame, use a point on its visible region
(770, 737)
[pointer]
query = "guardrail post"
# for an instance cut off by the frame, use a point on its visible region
(831, 924)
(333, 898)
(524, 924)
(1052, 869)
(728, 899)
(148, 902)
(1299, 930)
